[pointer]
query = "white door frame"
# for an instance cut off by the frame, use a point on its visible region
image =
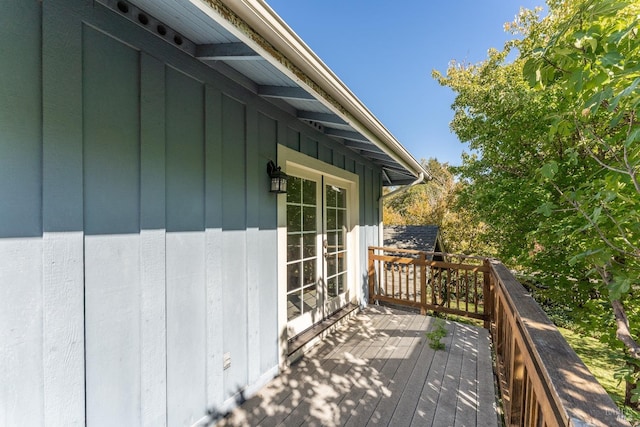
(291, 162)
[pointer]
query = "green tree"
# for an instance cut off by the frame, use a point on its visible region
(556, 132)
(426, 203)
(593, 58)
(437, 202)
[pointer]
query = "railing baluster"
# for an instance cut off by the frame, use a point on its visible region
(415, 283)
(457, 280)
(423, 283)
(433, 277)
(383, 285)
(400, 271)
(448, 288)
(475, 291)
(438, 285)
(399, 276)
(393, 280)
(516, 389)
(466, 290)
(528, 399)
(406, 281)
(439, 292)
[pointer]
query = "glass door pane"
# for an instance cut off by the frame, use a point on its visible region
(317, 230)
(302, 252)
(335, 247)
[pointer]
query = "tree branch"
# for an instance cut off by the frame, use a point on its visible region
(601, 234)
(594, 156)
(631, 170)
(603, 164)
(623, 331)
(623, 234)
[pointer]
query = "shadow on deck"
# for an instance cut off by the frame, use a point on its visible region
(380, 370)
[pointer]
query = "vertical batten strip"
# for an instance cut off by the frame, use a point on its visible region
(213, 247)
(253, 239)
(185, 248)
(62, 216)
(234, 273)
(268, 250)
(153, 331)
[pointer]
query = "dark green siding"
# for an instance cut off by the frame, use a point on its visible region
(138, 239)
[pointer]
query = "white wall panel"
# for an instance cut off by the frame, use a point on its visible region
(112, 277)
(137, 216)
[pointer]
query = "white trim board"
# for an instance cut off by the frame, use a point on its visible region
(291, 161)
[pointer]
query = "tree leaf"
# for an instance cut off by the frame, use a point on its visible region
(530, 71)
(634, 136)
(626, 92)
(611, 58)
(617, 288)
(549, 170)
(546, 208)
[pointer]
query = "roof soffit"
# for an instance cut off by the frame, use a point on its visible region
(307, 79)
(256, 14)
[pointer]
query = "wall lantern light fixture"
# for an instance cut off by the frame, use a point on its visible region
(278, 178)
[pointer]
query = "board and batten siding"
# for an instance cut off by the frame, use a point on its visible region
(138, 241)
(21, 245)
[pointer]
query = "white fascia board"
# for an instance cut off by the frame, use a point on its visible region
(267, 25)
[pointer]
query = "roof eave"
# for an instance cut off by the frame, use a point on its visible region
(258, 26)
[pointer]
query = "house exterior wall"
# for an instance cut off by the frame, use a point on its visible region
(138, 241)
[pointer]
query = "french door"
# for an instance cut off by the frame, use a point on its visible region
(317, 249)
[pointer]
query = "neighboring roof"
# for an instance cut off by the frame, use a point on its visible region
(414, 237)
(248, 42)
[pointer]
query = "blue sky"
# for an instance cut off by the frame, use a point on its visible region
(384, 51)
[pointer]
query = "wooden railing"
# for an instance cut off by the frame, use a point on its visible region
(454, 284)
(542, 381)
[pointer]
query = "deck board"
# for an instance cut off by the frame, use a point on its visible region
(486, 414)
(379, 370)
(387, 404)
(467, 390)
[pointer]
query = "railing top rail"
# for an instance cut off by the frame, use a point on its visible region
(577, 393)
(430, 263)
(396, 259)
(397, 250)
(416, 252)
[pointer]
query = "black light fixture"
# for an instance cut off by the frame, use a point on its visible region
(278, 178)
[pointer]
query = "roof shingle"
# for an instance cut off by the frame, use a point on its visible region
(414, 237)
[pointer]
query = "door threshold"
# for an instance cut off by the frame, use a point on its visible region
(297, 343)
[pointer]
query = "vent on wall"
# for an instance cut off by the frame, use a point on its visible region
(314, 125)
(151, 24)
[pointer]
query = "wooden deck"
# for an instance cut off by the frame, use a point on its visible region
(380, 370)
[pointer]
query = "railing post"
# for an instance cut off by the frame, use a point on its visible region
(372, 275)
(423, 283)
(487, 294)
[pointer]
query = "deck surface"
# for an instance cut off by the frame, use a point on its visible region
(380, 370)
